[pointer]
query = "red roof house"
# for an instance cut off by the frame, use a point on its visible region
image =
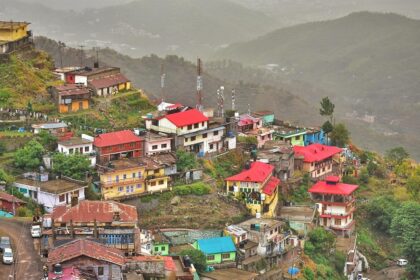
(185, 118)
(317, 159)
(257, 186)
(7, 200)
(116, 145)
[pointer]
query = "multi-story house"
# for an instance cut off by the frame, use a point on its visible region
(314, 135)
(257, 187)
(82, 145)
(117, 145)
(132, 177)
(335, 204)
(269, 234)
(266, 116)
(111, 223)
(248, 123)
(190, 131)
(51, 193)
(317, 159)
(292, 135)
(71, 97)
(155, 143)
(281, 155)
(13, 36)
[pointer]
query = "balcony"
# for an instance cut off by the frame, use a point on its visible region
(120, 182)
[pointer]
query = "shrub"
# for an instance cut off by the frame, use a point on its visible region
(198, 188)
(23, 212)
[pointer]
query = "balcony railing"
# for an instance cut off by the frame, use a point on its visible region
(122, 182)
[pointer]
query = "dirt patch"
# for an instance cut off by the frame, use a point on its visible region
(195, 212)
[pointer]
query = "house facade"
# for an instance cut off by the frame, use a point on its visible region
(267, 117)
(293, 136)
(112, 223)
(300, 218)
(82, 145)
(52, 193)
(313, 136)
(318, 160)
(257, 187)
(335, 204)
(10, 203)
(155, 143)
(218, 250)
(13, 36)
(104, 262)
(118, 145)
(281, 155)
(71, 97)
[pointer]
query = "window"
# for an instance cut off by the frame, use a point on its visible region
(189, 127)
(124, 176)
(131, 188)
(156, 249)
(196, 125)
(109, 179)
(100, 270)
(163, 146)
(127, 189)
(61, 198)
(139, 174)
(87, 149)
(71, 150)
(202, 123)
(153, 184)
(76, 193)
(263, 137)
(205, 135)
(120, 189)
(225, 256)
(156, 171)
(193, 138)
(154, 147)
(216, 133)
(317, 172)
(210, 258)
(117, 178)
(121, 147)
(133, 175)
(337, 222)
(161, 182)
(297, 137)
(211, 146)
(162, 248)
(323, 169)
(186, 139)
(139, 186)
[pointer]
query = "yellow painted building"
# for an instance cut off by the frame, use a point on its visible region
(257, 188)
(13, 31)
(132, 177)
(74, 106)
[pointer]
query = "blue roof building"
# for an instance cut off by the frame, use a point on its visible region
(217, 250)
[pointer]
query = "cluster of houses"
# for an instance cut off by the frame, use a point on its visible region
(83, 239)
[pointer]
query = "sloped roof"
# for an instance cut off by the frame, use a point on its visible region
(188, 117)
(83, 247)
(108, 81)
(101, 211)
(258, 172)
(324, 187)
(271, 185)
(216, 245)
(10, 198)
(116, 138)
(316, 152)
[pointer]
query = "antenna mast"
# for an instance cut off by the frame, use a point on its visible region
(162, 81)
(233, 99)
(199, 86)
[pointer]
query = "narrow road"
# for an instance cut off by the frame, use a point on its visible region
(27, 261)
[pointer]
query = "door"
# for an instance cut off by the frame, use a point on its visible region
(80, 105)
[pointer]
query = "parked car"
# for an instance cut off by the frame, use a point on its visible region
(4, 243)
(402, 262)
(8, 256)
(36, 231)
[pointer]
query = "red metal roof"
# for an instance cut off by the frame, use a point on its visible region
(83, 247)
(101, 211)
(10, 198)
(116, 138)
(324, 187)
(271, 186)
(108, 81)
(186, 118)
(174, 106)
(258, 172)
(316, 152)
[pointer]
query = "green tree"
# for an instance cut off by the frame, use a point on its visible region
(75, 166)
(327, 127)
(364, 176)
(327, 108)
(340, 136)
(404, 169)
(30, 156)
(320, 242)
(413, 186)
(396, 155)
(185, 160)
(405, 227)
(4, 98)
(6, 177)
(197, 258)
(47, 140)
(380, 212)
(308, 274)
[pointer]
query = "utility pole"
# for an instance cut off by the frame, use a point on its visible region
(81, 55)
(199, 86)
(60, 46)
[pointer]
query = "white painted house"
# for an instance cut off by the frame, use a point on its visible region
(52, 193)
(83, 145)
(156, 143)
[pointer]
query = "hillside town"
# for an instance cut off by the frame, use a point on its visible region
(108, 221)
